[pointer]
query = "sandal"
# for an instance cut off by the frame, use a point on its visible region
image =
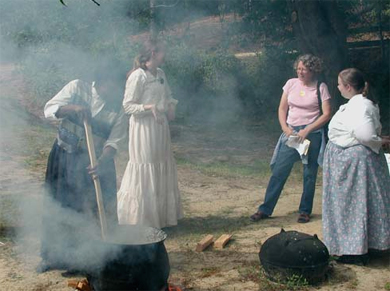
(303, 218)
(258, 216)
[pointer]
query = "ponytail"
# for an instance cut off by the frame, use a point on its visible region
(148, 48)
(365, 89)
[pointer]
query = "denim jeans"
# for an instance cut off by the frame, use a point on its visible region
(281, 169)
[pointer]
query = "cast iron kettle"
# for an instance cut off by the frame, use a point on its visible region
(292, 253)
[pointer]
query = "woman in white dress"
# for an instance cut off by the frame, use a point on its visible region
(149, 193)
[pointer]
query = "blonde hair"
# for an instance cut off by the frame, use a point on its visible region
(145, 54)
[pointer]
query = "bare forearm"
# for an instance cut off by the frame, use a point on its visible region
(108, 154)
(65, 111)
(320, 122)
(282, 114)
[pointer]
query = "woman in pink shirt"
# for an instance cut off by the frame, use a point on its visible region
(303, 111)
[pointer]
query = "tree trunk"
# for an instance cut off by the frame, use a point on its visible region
(320, 29)
(153, 26)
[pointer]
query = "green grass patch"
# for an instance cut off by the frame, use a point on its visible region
(255, 273)
(257, 169)
(224, 169)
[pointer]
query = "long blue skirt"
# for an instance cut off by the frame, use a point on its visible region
(356, 200)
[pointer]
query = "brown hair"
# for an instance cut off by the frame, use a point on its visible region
(355, 78)
(148, 48)
(313, 63)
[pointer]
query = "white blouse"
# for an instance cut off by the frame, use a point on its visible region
(356, 122)
(143, 88)
(88, 93)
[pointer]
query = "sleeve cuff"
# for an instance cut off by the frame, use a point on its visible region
(111, 144)
(173, 101)
(51, 112)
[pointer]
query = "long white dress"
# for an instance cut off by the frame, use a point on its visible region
(149, 193)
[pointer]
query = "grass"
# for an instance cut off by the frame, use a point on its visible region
(224, 169)
(193, 228)
(257, 170)
(9, 212)
(209, 272)
(254, 272)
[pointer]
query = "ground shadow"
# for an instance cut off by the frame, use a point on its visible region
(222, 224)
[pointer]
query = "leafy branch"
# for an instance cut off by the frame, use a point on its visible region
(94, 1)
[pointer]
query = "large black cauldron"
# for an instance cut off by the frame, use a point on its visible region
(294, 253)
(134, 258)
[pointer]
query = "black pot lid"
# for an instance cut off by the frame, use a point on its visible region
(292, 249)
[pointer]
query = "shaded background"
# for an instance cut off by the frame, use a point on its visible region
(227, 60)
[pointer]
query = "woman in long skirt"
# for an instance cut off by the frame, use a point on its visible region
(149, 193)
(356, 186)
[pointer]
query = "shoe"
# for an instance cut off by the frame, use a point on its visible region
(360, 260)
(303, 218)
(258, 216)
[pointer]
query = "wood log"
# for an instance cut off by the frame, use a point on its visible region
(73, 283)
(78, 284)
(221, 242)
(204, 243)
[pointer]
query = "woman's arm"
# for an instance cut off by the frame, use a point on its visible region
(320, 122)
(133, 94)
(60, 105)
(282, 114)
(366, 134)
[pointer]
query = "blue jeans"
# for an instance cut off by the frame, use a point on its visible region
(281, 169)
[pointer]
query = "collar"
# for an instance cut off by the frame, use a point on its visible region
(356, 98)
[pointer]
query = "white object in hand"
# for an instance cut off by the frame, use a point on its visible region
(388, 160)
(302, 148)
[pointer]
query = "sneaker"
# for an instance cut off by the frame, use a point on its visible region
(303, 218)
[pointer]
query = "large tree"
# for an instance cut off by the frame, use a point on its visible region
(320, 28)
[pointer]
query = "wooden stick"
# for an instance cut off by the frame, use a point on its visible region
(96, 181)
(204, 243)
(221, 242)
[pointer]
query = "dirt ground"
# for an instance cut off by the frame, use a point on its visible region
(222, 176)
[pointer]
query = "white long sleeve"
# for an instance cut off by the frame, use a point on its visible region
(62, 98)
(118, 132)
(357, 122)
(133, 93)
(366, 133)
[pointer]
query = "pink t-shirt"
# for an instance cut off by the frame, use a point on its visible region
(303, 107)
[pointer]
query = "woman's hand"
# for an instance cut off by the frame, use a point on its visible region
(94, 171)
(302, 134)
(107, 155)
(386, 143)
(157, 115)
(288, 131)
